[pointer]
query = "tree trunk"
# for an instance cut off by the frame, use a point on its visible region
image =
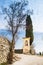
(10, 54)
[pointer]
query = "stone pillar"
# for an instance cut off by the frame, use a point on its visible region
(26, 45)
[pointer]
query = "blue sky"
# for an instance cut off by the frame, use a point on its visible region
(37, 17)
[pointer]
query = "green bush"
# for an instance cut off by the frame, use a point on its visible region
(3, 63)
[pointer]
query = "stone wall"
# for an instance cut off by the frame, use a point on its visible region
(4, 49)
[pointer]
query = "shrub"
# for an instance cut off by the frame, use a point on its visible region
(3, 63)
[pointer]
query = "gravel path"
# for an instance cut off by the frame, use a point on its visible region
(29, 60)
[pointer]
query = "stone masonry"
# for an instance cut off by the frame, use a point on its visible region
(4, 49)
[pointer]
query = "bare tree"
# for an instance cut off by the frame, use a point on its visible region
(15, 14)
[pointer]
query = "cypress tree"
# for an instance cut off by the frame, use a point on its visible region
(29, 28)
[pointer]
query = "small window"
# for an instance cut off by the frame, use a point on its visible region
(26, 43)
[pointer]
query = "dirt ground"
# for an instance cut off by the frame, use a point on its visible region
(29, 60)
